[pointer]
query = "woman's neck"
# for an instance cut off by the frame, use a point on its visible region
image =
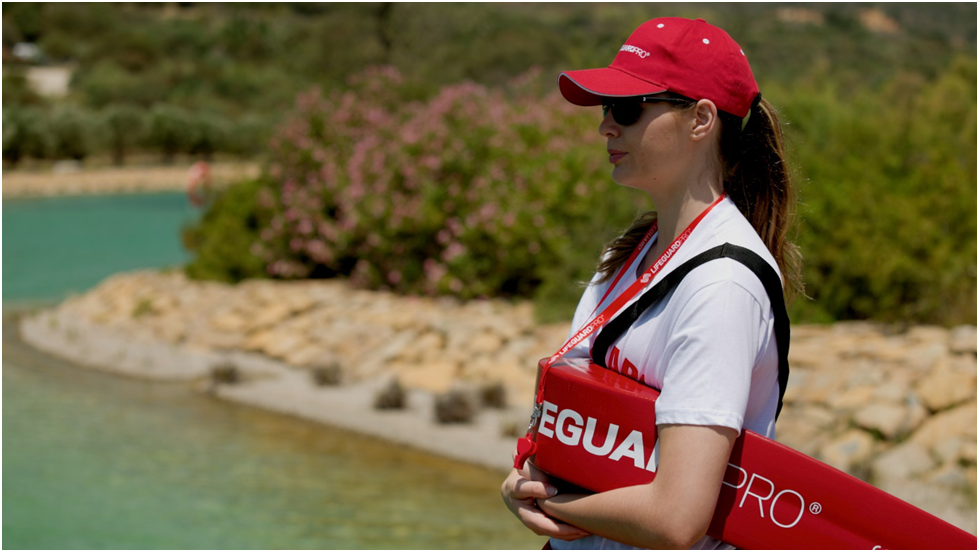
(674, 213)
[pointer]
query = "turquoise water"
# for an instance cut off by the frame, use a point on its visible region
(56, 246)
(96, 461)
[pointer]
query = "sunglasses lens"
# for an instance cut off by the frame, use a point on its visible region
(624, 113)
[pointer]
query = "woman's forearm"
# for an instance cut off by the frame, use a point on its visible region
(631, 515)
(674, 510)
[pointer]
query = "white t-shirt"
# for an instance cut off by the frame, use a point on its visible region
(709, 345)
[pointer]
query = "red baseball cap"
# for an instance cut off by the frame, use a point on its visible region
(689, 57)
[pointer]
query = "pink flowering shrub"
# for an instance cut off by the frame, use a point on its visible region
(471, 193)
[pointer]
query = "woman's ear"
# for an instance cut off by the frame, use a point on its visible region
(705, 120)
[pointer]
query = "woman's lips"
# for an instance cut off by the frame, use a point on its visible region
(614, 156)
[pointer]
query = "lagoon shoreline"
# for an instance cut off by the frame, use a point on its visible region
(898, 409)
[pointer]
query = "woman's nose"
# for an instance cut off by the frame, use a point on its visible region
(608, 127)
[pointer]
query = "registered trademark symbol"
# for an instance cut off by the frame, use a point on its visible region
(815, 507)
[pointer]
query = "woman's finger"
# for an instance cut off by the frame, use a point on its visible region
(541, 524)
(523, 489)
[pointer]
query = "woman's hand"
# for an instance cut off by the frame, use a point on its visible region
(520, 492)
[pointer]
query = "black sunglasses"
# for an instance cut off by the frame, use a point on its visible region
(626, 111)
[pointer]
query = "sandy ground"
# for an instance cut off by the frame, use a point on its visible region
(66, 178)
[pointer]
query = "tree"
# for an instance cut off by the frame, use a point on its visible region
(124, 126)
(169, 130)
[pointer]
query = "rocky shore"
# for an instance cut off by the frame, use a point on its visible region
(895, 409)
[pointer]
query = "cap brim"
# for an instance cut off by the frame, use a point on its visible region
(589, 86)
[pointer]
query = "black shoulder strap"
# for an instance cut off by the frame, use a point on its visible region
(769, 278)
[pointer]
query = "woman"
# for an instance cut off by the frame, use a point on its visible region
(674, 101)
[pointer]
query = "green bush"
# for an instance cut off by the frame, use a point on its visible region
(888, 190)
(471, 193)
(478, 192)
(224, 238)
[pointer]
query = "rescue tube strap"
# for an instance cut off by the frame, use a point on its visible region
(769, 278)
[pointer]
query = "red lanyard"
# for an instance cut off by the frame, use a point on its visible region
(526, 446)
(596, 323)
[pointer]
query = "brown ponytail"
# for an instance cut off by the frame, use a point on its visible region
(757, 180)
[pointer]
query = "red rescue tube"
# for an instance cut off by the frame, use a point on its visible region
(772, 496)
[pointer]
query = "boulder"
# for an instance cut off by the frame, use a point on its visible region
(950, 476)
(922, 358)
(927, 334)
(485, 342)
(268, 315)
(957, 422)
(458, 405)
(962, 340)
(229, 321)
(436, 377)
(849, 452)
(943, 387)
(303, 354)
(851, 398)
(947, 450)
(963, 364)
(967, 454)
(887, 419)
(902, 462)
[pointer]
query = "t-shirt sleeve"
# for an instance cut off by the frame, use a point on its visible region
(717, 338)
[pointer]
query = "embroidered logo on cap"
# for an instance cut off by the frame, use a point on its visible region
(635, 50)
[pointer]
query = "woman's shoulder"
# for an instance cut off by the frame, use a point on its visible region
(726, 274)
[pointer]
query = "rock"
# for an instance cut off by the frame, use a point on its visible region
(962, 340)
(893, 391)
(210, 339)
(924, 357)
(963, 364)
(268, 315)
(967, 453)
(807, 355)
(436, 377)
(949, 476)
(225, 373)
(391, 397)
(947, 451)
(927, 334)
(331, 375)
(485, 342)
(901, 463)
(957, 422)
(277, 343)
(851, 398)
(794, 429)
(887, 419)
(917, 413)
(457, 406)
(427, 346)
(493, 395)
(821, 417)
(304, 354)
(820, 386)
(943, 388)
(849, 452)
